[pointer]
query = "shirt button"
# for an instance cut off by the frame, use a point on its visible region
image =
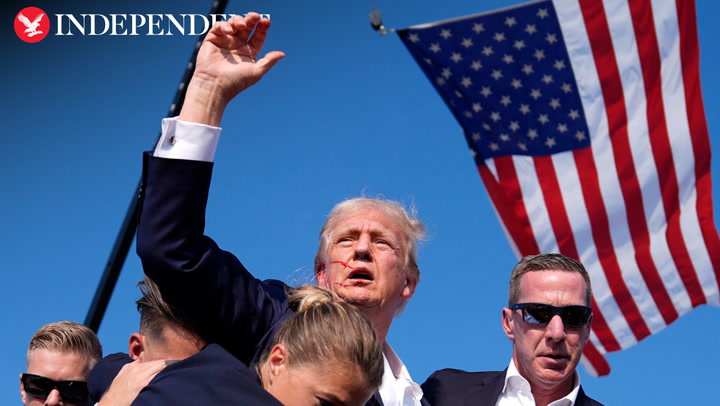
(172, 140)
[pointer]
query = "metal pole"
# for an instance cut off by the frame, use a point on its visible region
(129, 226)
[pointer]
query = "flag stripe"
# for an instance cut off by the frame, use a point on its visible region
(604, 245)
(600, 232)
(533, 200)
(661, 146)
(648, 133)
(555, 205)
(690, 56)
(673, 100)
(564, 232)
(521, 230)
(596, 364)
(621, 238)
(601, 45)
(514, 223)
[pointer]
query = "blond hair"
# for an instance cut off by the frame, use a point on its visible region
(546, 262)
(67, 336)
(325, 332)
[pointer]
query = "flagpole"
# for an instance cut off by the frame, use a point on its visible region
(126, 234)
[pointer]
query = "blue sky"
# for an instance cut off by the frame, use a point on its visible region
(347, 112)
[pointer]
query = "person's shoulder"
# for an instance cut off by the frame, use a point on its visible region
(278, 287)
(584, 400)
(451, 373)
(454, 379)
(185, 382)
(103, 373)
(111, 364)
(455, 386)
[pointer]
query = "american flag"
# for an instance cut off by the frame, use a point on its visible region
(586, 123)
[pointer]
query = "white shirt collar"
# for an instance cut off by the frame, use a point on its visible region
(516, 390)
(398, 388)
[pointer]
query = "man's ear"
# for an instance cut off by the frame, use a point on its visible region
(278, 360)
(409, 289)
(136, 345)
(507, 323)
(23, 395)
(320, 274)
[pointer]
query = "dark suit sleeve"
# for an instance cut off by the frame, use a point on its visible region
(222, 301)
(433, 389)
(102, 375)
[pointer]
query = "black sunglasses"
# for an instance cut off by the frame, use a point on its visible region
(540, 314)
(40, 387)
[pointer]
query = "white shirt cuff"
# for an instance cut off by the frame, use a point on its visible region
(186, 140)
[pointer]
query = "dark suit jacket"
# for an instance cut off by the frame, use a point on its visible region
(211, 377)
(453, 387)
(102, 375)
(210, 287)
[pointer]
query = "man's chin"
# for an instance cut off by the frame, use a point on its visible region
(553, 376)
(356, 296)
(353, 283)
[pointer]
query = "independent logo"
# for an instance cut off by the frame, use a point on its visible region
(32, 24)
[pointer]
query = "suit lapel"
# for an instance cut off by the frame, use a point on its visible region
(487, 390)
(582, 399)
(375, 400)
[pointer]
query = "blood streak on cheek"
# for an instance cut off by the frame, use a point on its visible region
(344, 264)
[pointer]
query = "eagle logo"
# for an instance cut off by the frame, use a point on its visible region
(32, 24)
(32, 27)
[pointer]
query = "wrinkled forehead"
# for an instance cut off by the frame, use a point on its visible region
(368, 219)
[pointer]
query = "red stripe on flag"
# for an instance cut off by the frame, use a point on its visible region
(650, 63)
(597, 360)
(690, 56)
(602, 330)
(556, 206)
(564, 236)
(507, 198)
(600, 230)
(611, 84)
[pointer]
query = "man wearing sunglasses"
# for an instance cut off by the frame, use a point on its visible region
(548, 319)
(59, 358)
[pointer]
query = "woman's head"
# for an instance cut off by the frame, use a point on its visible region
(327, 353)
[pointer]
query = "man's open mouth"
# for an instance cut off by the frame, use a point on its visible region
(361, 275)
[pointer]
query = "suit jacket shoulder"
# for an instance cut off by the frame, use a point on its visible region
(103, 373)
(211, 377)
(585, 400)
(454, 387)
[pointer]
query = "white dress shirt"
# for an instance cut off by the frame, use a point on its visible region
(398, 388)
(516, 391)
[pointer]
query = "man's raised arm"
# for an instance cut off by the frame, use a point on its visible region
(197, 277)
